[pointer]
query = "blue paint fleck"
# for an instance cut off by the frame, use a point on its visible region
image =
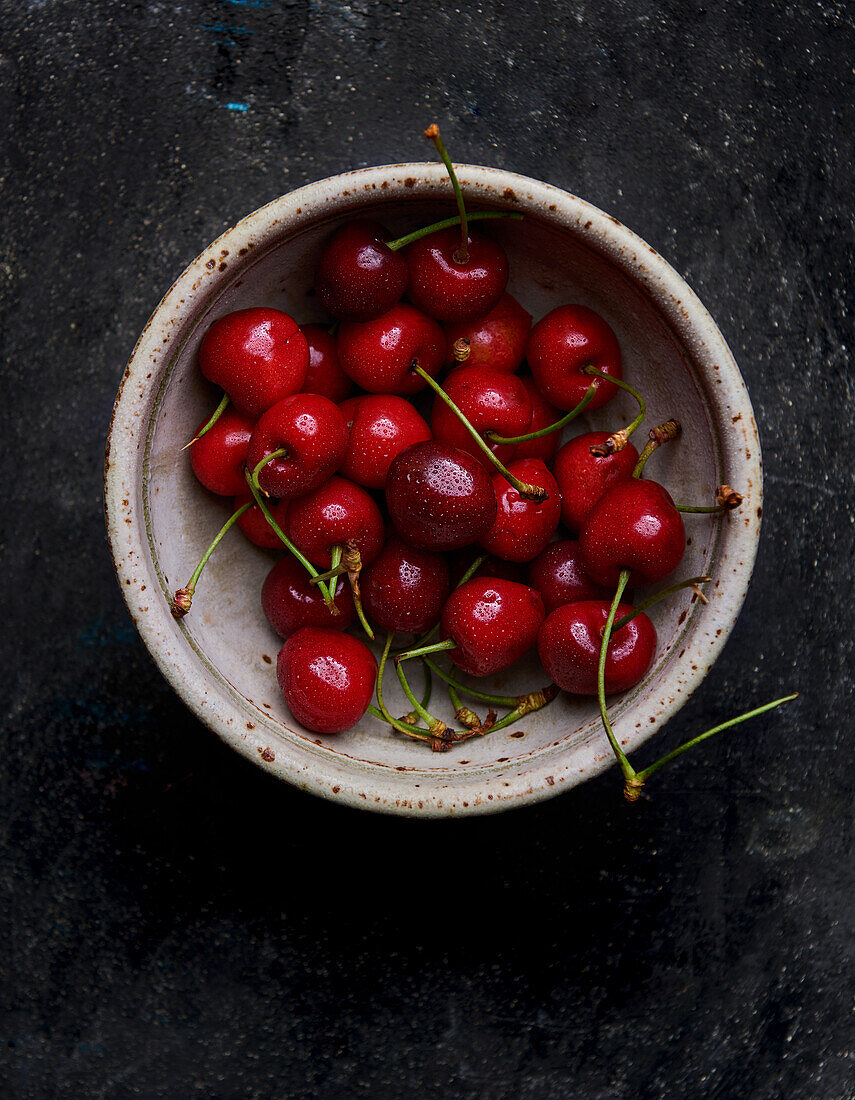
(224, 28)
(248, 3)
(237, 106)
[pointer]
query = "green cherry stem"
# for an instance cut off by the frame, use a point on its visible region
(527, 492)
(468, 575)
(663, 433)
(435, 726)
(530, 703)
(278, 453)
(464, 715)
(510, 440)
(447, 223)
(413, 718)
(626, 768)
(618, 440)
(411, 730)
(215, 416)
(183, 598)
(452, 681)
(423, 651)
(655, 598)
(461, 255)
(726, 500)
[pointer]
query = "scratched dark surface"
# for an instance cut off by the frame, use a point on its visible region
(176, 924)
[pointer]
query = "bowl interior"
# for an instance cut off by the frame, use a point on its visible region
(550, 265)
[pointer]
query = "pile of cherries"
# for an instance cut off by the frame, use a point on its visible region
(443, 525)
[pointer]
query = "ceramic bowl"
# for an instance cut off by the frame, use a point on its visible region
(221, 659)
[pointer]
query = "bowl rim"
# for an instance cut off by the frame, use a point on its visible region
(480, 789)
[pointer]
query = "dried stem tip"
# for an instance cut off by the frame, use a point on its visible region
(664, 433)
(632, 788)
(616, 442)
(432, 131)
(181, 602)
(727, 497)
(461, 349)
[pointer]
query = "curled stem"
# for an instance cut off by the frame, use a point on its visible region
(183, 598)
(510, 440)
(215, 416)
(278, 453)
(411, 730)
(663, 433)
(625, 766)
(619, 439)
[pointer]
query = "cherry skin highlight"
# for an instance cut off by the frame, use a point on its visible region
(635, 526)
(491, 400)
(561, 344)
(583, 478)
(380, 427)
(255, 526)
(559, 576)
(492, 622)
(380, 355)
(290, 602)
(569, 642)
(219, 456)
(258, 356)
(404, 589)
(313, 432)
(324, 375)
(335, 513)
(359, 277)
(497, 340)
(439, 497)
(449, 290)
(522, 528)
(327, 678)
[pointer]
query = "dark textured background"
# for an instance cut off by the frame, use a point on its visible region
(176, 924)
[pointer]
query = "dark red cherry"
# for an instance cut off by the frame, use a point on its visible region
(290, 602)
(219, 456)
(561, 344)
(491, 567)
(583, 478)
(359, 277)
(491, 400)
(559, 576)
(313, 432)
(448, 289)
(569, 643)
(327, 678)
(439, 497)
(258, 356)
(325, 375)
(542, 415)
(255, 526)
(634, 525)
(492, 623)
(380, 355)
(380, 426)
(404, 589)
(496, 340)
(523, 528)
(336, 513)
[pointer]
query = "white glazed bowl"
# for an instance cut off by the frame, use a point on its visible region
(221, 658)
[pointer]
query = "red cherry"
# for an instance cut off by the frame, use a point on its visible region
(404, 589)
(439, 497)
(380, 355)
(522, 527)
(492, 623)
(255, 526)
(582, 478)
(258, 356)
(219, 456)
(496, 340)
(313, 432)
(325, 375)
(561, 344)
(542, 415)
(381, 426)
(359, 277)
(491, 400)
(569, 644)
(559, 576)
(290, 602)
(327, 678)
(635, 525)
(490, 567)
(448, 289)
(336, 513)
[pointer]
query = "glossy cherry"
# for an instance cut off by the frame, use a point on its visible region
(336, 513)
(219, 456)
(258, 356)
(312, 431)
(290, 602)
(255, 526)
(583, 478)
(324, 375)
(542, 415)
(523, 528)
(497, 339)
(380, 427)
(634, 525)
(404, 589)
(492, 622)
(380, 355)
(327, 678)
(439, 497)
(456, 290)
(561, 344)
(359, 277)
(569, 642)
(491, 400)
(559, 576)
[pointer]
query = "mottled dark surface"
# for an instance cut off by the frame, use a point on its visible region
(176, 924)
